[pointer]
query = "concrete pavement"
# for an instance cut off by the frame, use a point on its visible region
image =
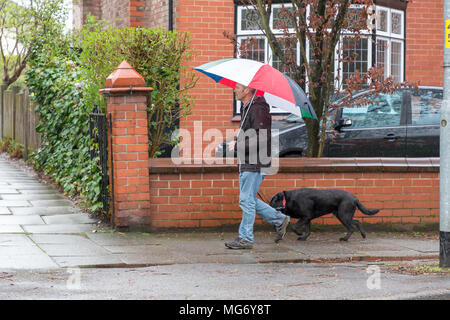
(41, 228)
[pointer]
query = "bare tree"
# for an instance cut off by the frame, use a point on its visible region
(21, 22)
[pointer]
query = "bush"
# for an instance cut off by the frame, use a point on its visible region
(12, 147)
(64, 79)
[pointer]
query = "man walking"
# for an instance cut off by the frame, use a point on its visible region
(254, 154)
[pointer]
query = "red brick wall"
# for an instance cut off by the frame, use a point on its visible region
(209, 199)
(123, 13)
(424, 42)
(130, 155)
(117, 11)
(156, 13)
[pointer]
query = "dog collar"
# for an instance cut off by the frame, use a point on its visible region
(284, 205)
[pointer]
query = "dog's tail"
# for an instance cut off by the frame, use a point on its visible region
(364, 210)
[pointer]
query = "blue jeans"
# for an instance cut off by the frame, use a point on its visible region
(249, 184)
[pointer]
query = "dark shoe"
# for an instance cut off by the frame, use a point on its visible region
(239, 243)
(281, 230)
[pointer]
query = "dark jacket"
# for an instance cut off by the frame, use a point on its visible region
(254, 140)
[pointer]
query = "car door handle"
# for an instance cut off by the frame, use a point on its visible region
(391, 136)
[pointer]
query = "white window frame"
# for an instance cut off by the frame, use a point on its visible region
(389, 32)
(279, 31)
(257, 36)
(239, 22)
(402, 58)
(391, 37)
(339, 65)
(268, 54)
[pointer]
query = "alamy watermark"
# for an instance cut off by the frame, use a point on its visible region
(374, 280)
(74, 280)
(207, 147)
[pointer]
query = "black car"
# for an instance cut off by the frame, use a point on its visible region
(402, 124)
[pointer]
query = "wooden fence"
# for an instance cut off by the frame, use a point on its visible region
(18, 120)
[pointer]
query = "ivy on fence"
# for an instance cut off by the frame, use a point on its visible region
(53, 78)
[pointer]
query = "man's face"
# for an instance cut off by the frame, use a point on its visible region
(240, 91)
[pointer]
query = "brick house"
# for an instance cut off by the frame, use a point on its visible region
(410, 48)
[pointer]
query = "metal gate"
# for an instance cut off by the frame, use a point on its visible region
(99, 150)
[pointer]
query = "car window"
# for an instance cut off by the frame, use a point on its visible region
(425, 106)
(384, 111)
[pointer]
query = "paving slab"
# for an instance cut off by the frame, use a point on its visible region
(50, 203)
(70, 250)
(141, 249)
(32, 186)
(5, 210)
(12, 228)
(36, 261)
(37, 191)
(18, 197)
(89, 261)
(158, 259)
(226, 258)
(43, 211)
(26, 250)
(5, 190)
(15, 177)
(422, 246)
(124, 239)
(70, 239)
(15, 240)
(7, 203)
(22, 220)
(68, 219)
(312, 247)
(58, 228)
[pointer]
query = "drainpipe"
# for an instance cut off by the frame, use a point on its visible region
(444, 215)
(170, 15)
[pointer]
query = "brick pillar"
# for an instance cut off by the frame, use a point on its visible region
(126, 106)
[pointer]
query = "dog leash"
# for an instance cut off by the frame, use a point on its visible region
(262, 198)
(279, 208)
(245, 115)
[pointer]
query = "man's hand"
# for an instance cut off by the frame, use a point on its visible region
(231, 145)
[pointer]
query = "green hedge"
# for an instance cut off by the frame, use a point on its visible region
(53, 76)
(159, 56)
(64, 77)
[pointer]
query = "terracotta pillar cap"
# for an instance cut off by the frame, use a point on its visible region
(124, 79)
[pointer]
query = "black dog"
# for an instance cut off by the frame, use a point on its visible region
(307, 204)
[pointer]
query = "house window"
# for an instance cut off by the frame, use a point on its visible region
(359, 52)
(252, 44)
(388, 51)
(390, 40)
(255, 48)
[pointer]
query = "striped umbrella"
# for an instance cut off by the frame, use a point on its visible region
(277, 88)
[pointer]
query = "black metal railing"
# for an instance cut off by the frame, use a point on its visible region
(98, 123)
